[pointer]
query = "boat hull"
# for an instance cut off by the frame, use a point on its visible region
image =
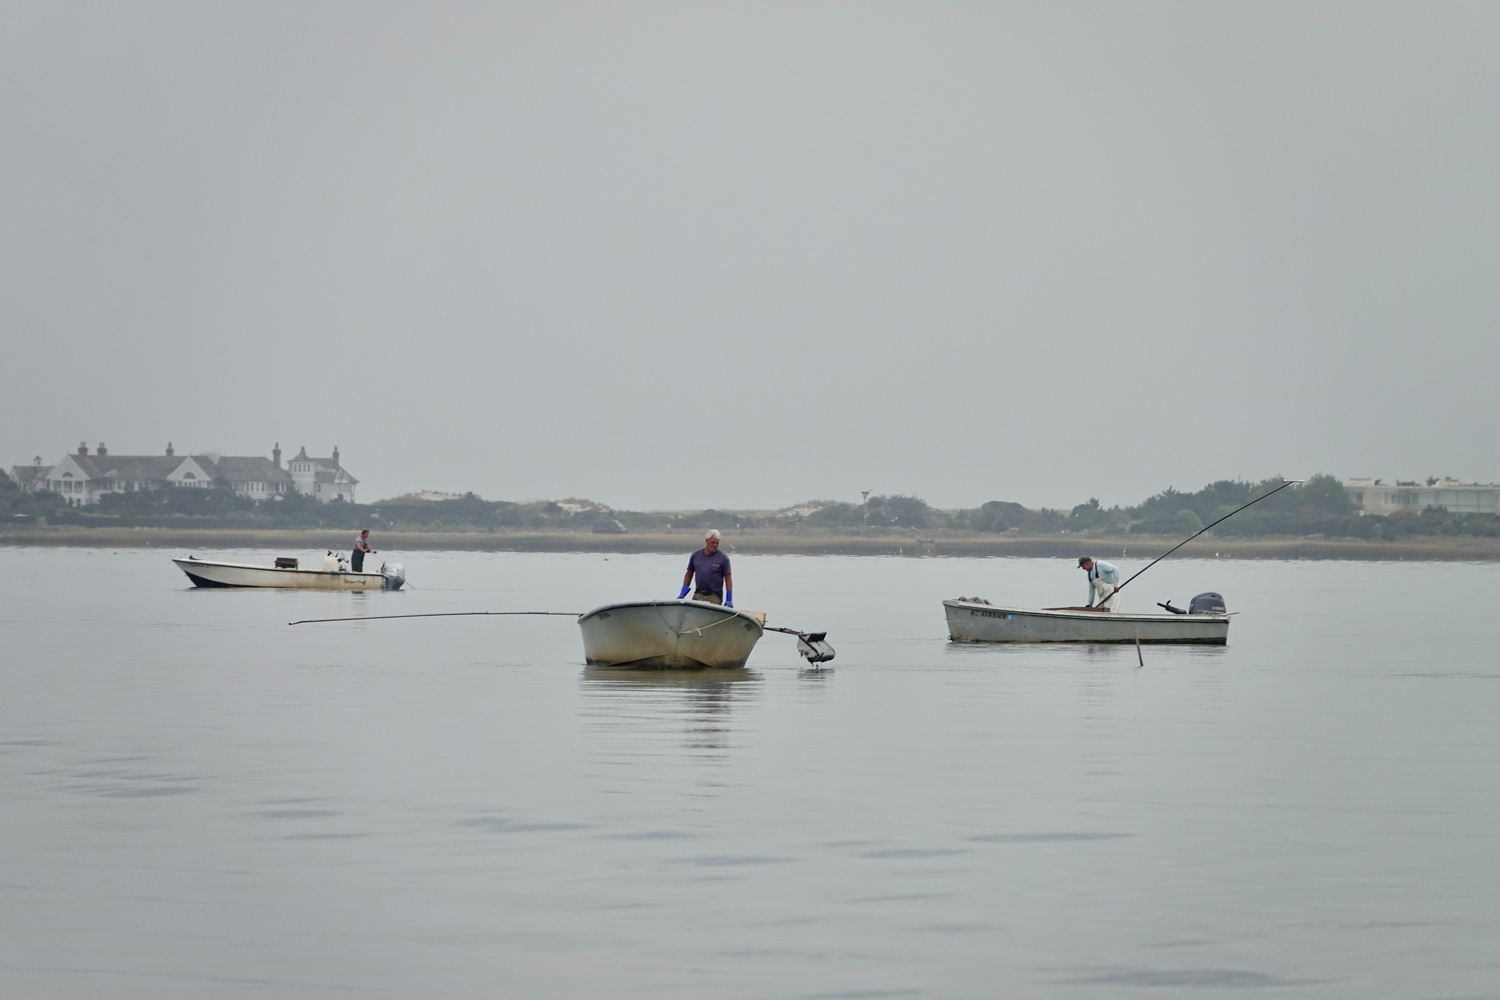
(974, 621)
(204, 573)
(680, 634)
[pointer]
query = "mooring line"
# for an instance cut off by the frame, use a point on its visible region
(700, 628)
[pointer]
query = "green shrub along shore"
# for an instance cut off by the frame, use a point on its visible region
(1313, 520)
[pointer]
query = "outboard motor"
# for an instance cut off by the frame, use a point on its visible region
(1207, 604)
(330, 562)
(395, 575)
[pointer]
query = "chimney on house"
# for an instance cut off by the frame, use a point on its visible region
(335, 456)
(102, 450)
(169, 449)
(83, 448)
(276, 455)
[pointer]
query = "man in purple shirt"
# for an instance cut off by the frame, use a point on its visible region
(711, 567)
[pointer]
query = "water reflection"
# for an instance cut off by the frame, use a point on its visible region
(708, 677)
(693, 704)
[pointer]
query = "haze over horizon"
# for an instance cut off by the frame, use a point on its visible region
(669, 257)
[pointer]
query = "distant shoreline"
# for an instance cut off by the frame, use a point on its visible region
(768, 543)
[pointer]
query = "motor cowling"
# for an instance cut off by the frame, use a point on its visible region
(1208, 603)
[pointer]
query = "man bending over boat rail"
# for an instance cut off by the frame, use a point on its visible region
(711, 567)
(1104, 582)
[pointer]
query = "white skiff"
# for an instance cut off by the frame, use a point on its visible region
(286, 575)
(975, 620)
(670, 634)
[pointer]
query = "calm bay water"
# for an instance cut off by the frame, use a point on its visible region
(199, 800)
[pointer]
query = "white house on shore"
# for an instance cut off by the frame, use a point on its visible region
(323, 478)
(82, 478)
(1374, 496)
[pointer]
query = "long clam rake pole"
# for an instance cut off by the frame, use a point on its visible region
(1189, 538)
(434, 614)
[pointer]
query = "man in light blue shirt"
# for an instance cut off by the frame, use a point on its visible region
(1104, 582)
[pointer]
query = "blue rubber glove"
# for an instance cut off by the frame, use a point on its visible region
(683, 594)
(728, 598)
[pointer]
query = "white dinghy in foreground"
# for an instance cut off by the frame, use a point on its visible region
(682, 634)
(286, 575)
(670, 634)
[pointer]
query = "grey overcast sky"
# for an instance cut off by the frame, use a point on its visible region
(686, 255)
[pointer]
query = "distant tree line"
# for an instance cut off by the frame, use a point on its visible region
(1319, 507)
(19, 507)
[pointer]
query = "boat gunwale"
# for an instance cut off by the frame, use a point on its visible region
(704, 606)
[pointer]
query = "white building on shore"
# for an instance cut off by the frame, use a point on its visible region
(1374, 496)
(82, 478)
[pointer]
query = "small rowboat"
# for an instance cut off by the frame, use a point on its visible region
(670, 634)
(286, 575)
(972, 619)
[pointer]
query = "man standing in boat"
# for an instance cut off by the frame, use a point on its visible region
(1104, 582)
(711, 567)
(361, 546)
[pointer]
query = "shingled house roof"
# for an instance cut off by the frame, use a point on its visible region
(138, 468)
(156, 468)
(253, 469)
(29, 475)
